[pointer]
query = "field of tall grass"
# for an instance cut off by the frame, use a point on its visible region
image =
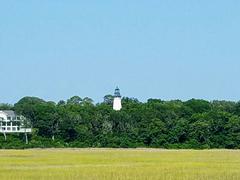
(118, 164)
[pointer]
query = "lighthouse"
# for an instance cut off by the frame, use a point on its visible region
(117, 101)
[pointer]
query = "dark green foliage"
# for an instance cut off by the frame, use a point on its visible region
(196, 124)
(5, 106)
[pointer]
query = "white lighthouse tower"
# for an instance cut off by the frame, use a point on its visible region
(117, 101)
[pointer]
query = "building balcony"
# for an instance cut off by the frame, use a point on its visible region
(14, 129)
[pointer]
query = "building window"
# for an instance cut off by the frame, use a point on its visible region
(18, 128)
(8, 118)
(8, 128)
(14, 129)
(8, 123)
(14, 123)
(3, 128)
(4, 123)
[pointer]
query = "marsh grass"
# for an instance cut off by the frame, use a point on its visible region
(119, 164)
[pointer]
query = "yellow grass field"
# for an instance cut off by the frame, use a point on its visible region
(116, 164)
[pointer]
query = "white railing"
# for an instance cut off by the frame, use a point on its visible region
(15, 130)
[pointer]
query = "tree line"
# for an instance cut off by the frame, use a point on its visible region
(78, 122)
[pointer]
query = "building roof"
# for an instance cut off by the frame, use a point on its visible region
(10, 113)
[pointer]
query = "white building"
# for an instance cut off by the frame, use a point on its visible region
(117, 101)
(10, 122)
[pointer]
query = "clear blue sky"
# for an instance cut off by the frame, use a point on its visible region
(166, 49)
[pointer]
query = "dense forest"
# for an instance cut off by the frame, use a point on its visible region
(78, 122)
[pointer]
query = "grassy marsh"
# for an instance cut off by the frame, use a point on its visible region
(89, 164)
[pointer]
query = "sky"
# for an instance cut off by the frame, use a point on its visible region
(166, 49)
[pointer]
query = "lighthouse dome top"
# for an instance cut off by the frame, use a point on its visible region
(117, 92)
